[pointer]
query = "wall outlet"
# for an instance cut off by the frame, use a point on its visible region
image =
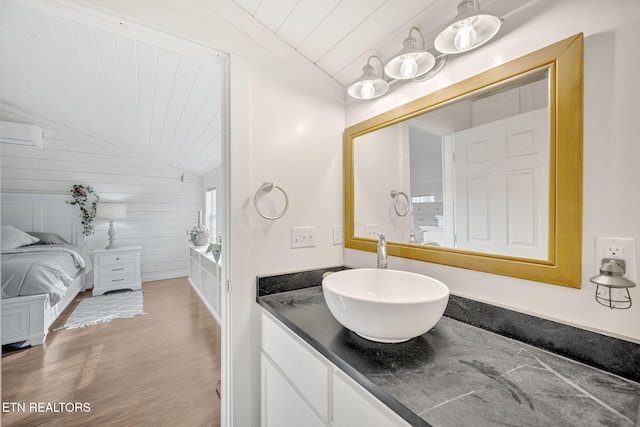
(303, 237)
(614, 251)
(372, 231)
(610, 247)
(337, 235)
(617, 248)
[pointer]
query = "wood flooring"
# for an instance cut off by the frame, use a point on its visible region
(159, 369)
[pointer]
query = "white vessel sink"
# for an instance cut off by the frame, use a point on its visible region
(385, 305)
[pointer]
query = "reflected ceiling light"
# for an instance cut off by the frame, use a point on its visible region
(369, 86)
(411, 61)
(472, 28)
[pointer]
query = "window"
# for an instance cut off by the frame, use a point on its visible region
(423, 199)
(210, 212)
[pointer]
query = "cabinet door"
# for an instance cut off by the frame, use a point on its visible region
(281, 404)
(354, 406)
(308, 371)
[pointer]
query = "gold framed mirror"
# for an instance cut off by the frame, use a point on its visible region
(518, 219)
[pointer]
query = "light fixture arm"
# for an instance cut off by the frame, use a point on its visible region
(379, 59)
(421, 36)
(467, 8)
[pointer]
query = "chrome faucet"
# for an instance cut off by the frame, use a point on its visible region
(383, 262)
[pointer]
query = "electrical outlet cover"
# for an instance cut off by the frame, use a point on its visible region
(617, 248)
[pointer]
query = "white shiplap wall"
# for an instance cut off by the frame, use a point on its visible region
(160, 208)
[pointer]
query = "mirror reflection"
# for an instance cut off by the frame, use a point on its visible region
(472, 174)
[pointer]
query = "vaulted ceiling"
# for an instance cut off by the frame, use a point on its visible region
(152, 101)
(167, 104)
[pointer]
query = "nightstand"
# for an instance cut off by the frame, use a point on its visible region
(115, 269)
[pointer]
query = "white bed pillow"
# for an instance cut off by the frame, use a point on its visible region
(13, 238)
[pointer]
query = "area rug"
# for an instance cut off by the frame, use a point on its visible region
(105, 308)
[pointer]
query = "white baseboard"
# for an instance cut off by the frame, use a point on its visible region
(149, 277)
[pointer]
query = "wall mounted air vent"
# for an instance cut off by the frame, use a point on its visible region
(20, 134)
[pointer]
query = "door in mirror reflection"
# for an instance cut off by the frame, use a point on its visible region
(476, 172)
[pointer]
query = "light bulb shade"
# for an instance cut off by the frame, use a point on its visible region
(368, 86)
(111, 211)
(471, 29)
(612, 276)
(410, 62)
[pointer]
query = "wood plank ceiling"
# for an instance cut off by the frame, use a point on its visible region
(161, 104)
(338, 36)
(166, 105)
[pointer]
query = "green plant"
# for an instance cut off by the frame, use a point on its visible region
(87, 200)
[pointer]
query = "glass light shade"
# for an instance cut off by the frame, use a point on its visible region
(368, 86)
(410, 62)
(471, 29)
(111, 211)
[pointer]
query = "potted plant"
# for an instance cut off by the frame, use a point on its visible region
(199, 235)
(87, 200)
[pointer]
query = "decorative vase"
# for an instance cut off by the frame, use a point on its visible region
(201, 238)
(216, 249)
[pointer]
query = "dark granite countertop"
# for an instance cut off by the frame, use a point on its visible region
(460, 375)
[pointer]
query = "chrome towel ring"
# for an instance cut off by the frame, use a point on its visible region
(394, 195)
(267, 187)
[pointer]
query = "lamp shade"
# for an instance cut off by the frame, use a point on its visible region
(472, 28)
(411, 61)
(369, 86)
(612, 276)
(111, 211)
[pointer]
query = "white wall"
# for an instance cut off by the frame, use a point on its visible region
(611, 153)
(159, 207)
(293, 137)
(283, 129)
(381, 167)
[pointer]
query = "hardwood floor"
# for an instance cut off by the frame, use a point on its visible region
(160, 369)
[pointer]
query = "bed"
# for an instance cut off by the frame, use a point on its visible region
(47, 272)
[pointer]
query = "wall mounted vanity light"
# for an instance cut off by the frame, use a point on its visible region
(613, 288)
(411, 61)
(472, 28)
(369, 85)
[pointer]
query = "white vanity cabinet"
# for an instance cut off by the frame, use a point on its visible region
(355, 406)
(301, 387)
(205, 276)
(282, 404)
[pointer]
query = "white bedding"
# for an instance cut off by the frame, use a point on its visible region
(41, 269)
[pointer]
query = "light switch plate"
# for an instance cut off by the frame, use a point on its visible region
(303, 237)
(337, 235)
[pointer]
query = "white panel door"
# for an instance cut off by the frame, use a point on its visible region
(502, 182)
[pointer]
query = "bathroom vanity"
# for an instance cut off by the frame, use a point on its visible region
(316, 372)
